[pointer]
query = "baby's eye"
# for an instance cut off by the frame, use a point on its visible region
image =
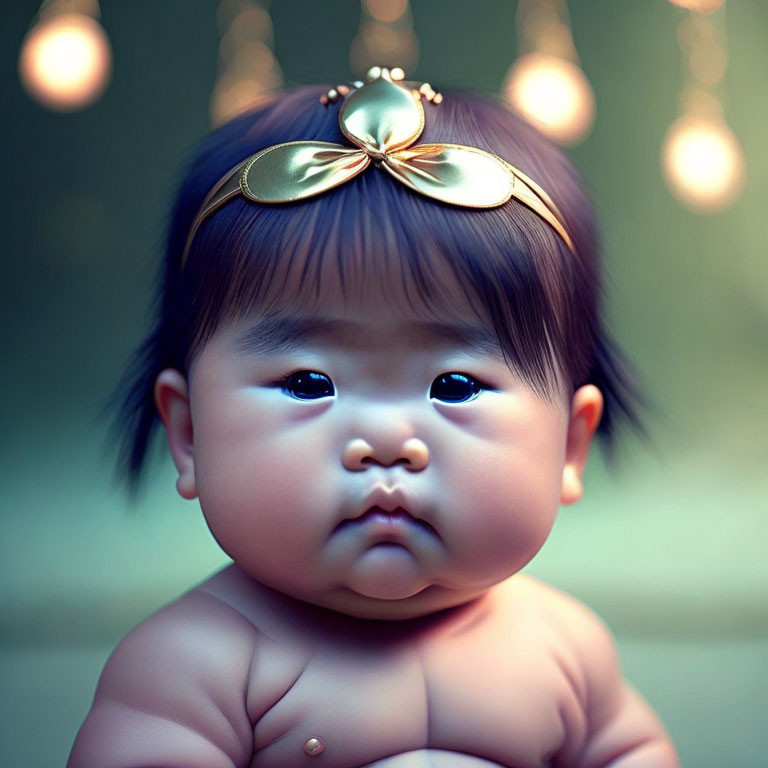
(307, 385)
(456, 387)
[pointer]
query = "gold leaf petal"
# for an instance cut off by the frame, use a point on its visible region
(382, 117)
(299, 169)
(454, 174)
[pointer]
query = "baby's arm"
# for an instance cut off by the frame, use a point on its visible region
(174, 693)
(622, 731)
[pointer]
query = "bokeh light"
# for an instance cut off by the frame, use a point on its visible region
(385, 45)
(703, 163)
(700, 6)
(249, 72)
(387, 11)
(65, 62)
(553, 94)
(232, 96)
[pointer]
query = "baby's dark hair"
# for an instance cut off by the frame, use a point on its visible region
(544, 303)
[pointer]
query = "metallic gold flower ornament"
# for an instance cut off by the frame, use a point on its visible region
(382, 119)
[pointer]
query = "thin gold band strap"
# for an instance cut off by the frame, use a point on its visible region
(531, 194)
(225, 189)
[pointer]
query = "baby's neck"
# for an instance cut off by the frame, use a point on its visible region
(319, 620)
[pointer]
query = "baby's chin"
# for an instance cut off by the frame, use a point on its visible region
(387, 571)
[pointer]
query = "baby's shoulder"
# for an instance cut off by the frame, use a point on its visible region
(614, 719)
(560, 613)
(583, 643)
(176, 685)
(197, 638)
(557, 606)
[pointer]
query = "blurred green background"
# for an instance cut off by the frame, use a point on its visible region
(670, 549)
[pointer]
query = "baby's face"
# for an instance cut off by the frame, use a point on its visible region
(361, 457)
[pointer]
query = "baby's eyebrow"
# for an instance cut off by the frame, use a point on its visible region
(278, 332)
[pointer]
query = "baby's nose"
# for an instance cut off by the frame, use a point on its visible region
(359, 453)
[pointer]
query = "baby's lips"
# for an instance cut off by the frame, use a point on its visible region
(398, 519)
(391, 500)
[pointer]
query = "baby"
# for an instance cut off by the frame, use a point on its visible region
(380, 382)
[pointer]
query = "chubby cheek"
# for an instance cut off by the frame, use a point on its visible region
(262, 482)
(505, 507)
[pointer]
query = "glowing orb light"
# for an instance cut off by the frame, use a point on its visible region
(699, 6)
(386, 10)
(553, 94)
(65, 62)
(703, 163)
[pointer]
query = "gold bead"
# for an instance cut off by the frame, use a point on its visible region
(397, 73)
(343, 89)
(427, 91)
(438, 98)
(324, 100)
(315, 746)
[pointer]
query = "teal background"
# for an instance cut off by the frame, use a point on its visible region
(670, 549)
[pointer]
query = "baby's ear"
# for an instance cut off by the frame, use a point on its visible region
(172, 401)
(586, 409)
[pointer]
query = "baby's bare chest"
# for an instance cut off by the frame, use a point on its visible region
(474, 699)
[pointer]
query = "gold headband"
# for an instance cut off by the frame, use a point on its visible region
(382, 119)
